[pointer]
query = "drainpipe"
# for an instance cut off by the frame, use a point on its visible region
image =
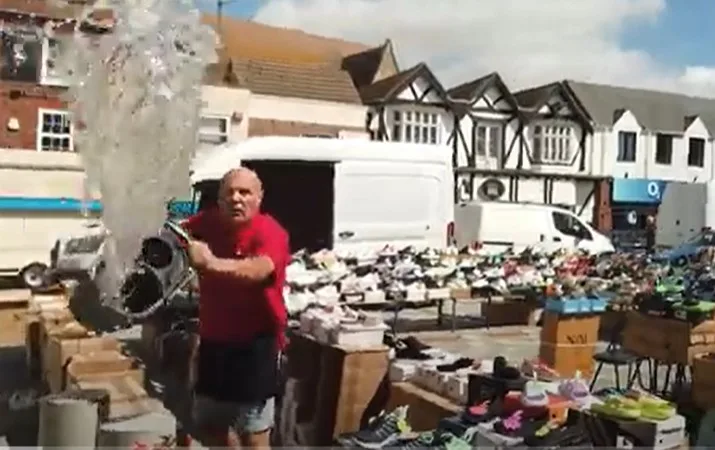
(604, 133)
(647, 146)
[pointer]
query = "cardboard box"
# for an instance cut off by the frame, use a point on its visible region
(127, 397)
(59, 351)
(13, 308)
(570, 329)
(567, 359)
(103, 365)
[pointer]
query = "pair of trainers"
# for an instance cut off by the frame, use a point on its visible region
(575, 390)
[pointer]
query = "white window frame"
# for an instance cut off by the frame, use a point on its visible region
(45, 78)
(225, 135)
(40, 134)
(487, 139)
(556, 142)
(407, 123)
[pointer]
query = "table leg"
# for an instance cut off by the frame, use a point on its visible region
(440, 306)
(395, 316)
(454, 315)
(666, 384)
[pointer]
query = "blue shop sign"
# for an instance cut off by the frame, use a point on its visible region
(635, 190)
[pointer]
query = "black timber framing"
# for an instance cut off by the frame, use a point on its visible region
(392, 99)
(577, 115)
(467, 96)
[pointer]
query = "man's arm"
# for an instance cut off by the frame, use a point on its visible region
(272, 252)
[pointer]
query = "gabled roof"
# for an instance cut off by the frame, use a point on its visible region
(473, 90)
(363, 66)
(656, 111)
(532, 100)
(309, 81)
(389, 88)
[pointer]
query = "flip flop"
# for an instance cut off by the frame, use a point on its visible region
(619, 407)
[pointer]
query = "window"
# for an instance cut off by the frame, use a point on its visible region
(626, 146)
(663, 149)
(570, 226)
(487, 140)
(696, 152)
(552, 144)
(54, 131)
(21, 54)
(214, 130)
(51, 73)
(415, 126)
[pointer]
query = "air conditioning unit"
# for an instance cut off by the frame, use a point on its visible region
(491, 189)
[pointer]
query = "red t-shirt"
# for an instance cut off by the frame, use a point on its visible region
(232, 310)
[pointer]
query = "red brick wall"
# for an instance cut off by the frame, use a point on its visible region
(22, 101)
(268, 127)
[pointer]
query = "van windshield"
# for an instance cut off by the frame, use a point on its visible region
(570, 225)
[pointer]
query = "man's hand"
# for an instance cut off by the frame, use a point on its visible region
(200, 254)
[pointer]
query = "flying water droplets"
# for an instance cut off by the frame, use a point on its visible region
(135, 96)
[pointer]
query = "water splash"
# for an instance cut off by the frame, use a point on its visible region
(135, 97)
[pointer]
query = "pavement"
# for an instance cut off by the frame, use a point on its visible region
(515, 343)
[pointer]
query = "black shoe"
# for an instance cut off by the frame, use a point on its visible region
(411, 348)
(383, 431)
(461, 363)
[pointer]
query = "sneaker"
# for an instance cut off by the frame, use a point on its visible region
(575, 390)
(384, 430)
(434, 440)
(534, 395)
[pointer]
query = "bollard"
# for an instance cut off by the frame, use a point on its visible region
(67, 421)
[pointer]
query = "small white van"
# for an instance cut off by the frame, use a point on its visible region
(346, 194)
(497, 226)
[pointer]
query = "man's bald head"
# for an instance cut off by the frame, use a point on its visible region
(241, 172)
(240, 195)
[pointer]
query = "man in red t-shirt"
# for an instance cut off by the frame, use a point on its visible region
(241, 256)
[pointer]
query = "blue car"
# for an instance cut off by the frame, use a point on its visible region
(688, 250)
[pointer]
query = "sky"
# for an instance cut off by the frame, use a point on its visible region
(655, 44)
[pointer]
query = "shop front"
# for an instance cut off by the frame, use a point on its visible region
(632, 201)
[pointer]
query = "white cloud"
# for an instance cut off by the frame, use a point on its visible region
(529, 42)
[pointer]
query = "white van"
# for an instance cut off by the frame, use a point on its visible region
(346, 194)
(500, 225)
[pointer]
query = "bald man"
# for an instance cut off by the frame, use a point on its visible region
(241, 256)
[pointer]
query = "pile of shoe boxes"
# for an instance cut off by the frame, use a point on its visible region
(67, 355)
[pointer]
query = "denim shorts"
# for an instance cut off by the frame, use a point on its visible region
(248, 418)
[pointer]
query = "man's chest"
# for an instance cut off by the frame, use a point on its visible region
(239, 246)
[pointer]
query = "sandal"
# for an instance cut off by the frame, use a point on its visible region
(654, 408)
(619, 407)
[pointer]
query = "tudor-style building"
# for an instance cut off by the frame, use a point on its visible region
(404, 106)
(526, 147)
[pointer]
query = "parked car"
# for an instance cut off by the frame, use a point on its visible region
(78, 256)
(681, 254)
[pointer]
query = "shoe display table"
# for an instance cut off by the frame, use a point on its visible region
(341, 386)
(426, 409)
